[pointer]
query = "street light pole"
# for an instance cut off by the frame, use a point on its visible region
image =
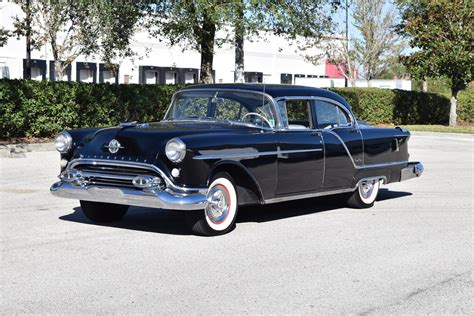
(347, 43)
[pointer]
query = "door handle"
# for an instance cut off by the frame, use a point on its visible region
(316, 133)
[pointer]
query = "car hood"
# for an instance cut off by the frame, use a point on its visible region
(144, 142)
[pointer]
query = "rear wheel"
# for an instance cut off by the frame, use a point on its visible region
(103, 212)
(221, 210)
(365, 195)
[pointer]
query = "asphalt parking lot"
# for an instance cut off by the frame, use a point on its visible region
(411, 253)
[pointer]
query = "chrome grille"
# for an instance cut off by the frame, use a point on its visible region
(114, 176)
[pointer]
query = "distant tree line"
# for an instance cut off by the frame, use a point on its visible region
(440, 33)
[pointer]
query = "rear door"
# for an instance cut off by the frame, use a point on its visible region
(344, 146)
(300, 150)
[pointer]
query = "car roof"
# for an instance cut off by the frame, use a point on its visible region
(274, 90)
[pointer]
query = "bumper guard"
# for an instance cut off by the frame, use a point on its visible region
(413, 170)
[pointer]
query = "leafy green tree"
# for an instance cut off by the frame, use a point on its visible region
(240, 27)
(306, 22)
(69, 27)
(441, 33)
(118, 21)
(4, 35)
(73, 28)
(374, 47)
(23, 27)
(192, 24)
(393, 68)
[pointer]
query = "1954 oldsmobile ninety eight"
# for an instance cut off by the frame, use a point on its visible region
(226, 145)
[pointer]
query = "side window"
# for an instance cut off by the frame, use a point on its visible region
(344, 120)
(330, 115)
(298, 113)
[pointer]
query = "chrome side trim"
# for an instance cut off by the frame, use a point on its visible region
(324, 161)
(363, 146)
(345, 147)
(385, 164)
(306, 196)
(128, 124)
(164, 199)
(322, 193)
(257, 154)
(169, 183)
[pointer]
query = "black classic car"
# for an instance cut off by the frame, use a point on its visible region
(226, 145)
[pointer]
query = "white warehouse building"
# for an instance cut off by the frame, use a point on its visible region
(270, 59)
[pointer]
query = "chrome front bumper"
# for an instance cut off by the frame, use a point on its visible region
(413, 170)
(165, 199)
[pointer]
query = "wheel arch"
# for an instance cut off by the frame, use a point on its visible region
(248, 189)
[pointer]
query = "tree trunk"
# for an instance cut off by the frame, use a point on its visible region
(59, 68)
(352, 80)
(425, 86)
(452, 110)
(207, 39)
(239, 45)
(28, 41)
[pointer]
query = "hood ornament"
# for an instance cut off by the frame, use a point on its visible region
(114, 146)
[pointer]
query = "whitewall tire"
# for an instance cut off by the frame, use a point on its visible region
(365, 194)
(221, 210)
(221, 204)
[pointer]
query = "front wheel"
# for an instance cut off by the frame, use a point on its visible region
(365, 195)
(103, 212)
(220, 213)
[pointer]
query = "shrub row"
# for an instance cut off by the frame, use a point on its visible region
(405, 107)
(465, 105)
(42, 109)
(395, 106)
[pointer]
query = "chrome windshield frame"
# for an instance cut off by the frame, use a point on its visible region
(276, 110)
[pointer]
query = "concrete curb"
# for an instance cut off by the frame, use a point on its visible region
(441, 134)
(19, 150)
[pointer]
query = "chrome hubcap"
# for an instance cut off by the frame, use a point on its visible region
(217, 204)
(366, 189)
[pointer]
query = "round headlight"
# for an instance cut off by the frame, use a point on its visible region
(63, 142)
(175, 150)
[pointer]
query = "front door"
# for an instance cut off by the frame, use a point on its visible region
(300, 151)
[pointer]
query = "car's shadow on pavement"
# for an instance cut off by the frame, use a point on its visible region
(140, 219)
(271, 212)
(173, 222)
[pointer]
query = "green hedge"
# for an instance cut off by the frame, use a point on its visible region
(396, 106)
(405, 107)
(465, 105)
(42, 109)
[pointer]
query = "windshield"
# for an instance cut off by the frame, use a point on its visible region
(231, 106)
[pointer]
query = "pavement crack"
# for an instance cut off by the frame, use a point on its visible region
(415, 293)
